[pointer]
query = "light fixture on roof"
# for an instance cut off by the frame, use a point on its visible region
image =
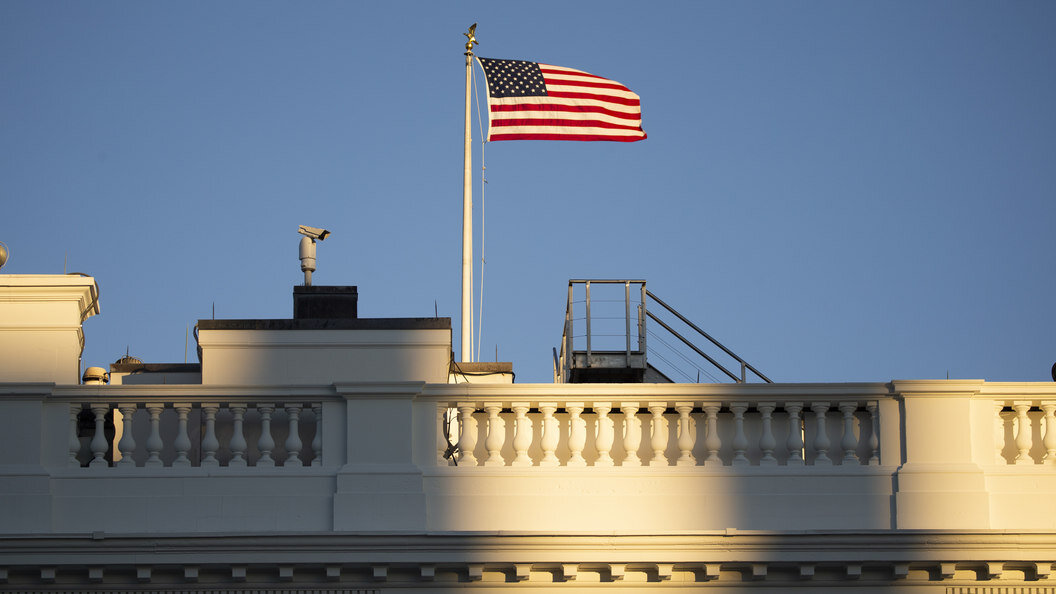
(307, 250)
(3, 254)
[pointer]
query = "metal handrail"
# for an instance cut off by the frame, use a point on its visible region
(563, 359)
(744, 364)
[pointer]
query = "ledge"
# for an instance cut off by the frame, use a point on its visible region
(329, 324)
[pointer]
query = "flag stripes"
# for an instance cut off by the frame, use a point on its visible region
(531, 101)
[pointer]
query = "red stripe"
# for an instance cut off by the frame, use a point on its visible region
(561, 123)
(593, 97)
(568, 108)
(567, 137)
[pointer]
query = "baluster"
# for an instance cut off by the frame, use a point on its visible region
(874, 436)
(577, 434)
(740, 440)
(605, 435)
(73, 443)
(821, 436)
(551, 434)
(496, 435)
(127, 444)
(686, 434)
(293, 439)
(1024, 435)
(266, 443)
(632, 434)
(849, 442)
(999, 434)
(1050, 433)
(522, 434)
(238, 437)
(99, 445)
(467, 439)
(712, 442)
(795, 434)
(154, 443)
(209, 442)
(317, 442)
(183, 441)
(767, 443)
(658, 428)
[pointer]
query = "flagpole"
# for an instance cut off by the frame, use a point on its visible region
(467, 212)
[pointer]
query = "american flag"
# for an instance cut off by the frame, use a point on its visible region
(532, 101)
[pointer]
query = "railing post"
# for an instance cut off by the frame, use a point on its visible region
(627, 317)
(588, 322)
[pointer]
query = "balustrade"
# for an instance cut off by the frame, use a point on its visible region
(1024, 432)
(683, 433)
(183, 434)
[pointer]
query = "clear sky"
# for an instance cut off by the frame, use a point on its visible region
(839, 191)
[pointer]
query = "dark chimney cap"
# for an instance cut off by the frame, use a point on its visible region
(325, 302)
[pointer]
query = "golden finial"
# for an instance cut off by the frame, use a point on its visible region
(471, 38)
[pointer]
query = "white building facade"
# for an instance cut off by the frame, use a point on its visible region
(308, 455)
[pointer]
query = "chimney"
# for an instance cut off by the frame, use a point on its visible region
(313, 302)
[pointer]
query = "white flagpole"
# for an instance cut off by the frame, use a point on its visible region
(467, 213)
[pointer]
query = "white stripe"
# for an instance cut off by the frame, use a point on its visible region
(564, 115)
(628, 109)
(566, 130)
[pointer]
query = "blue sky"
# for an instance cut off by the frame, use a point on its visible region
(839, 191)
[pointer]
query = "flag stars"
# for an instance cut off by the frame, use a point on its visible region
(513, 78)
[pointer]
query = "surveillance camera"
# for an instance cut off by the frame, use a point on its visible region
(312, 232)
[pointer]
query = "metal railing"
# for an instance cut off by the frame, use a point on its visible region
(634, 343)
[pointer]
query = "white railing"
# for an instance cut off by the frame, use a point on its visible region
(1024, 431)
(710, 433)
(234, 433)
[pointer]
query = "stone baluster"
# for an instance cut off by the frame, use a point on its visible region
(874, 435)
(551, 434)
(632, 434)
(740, 440)
(293, 439)
(658, 434)
(496, 435)
(266, 443)
(99, 444)
(154, 443)
(605, 434)
(183, 440)
(1024, 435)
(767, 443)
(127, 444)
(522, 434)
(795, 434)
(849, 442)
(577, 434)
(317, 441)
(238, 437)
(999, 434)
(712, 442)
(686, 434)
(1049, 440)
(467, 438)
(209, 442)
(73, 443)
(821, 435)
